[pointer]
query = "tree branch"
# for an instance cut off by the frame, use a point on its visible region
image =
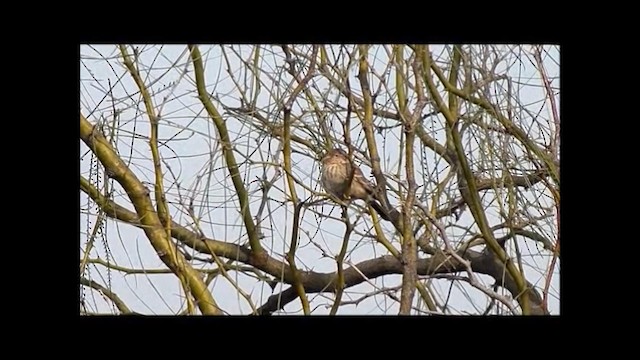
(149, 220)
(232, 165)
(314, 282)
(109, 294)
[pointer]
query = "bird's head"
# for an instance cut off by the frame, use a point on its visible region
(333, 154)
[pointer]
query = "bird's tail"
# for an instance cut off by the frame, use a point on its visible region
(380, 210)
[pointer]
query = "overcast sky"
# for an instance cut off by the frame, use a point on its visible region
(192, 159)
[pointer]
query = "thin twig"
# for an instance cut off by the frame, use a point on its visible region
(340, 260)
(467, 265)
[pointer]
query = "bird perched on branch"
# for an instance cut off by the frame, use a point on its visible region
(343, 179)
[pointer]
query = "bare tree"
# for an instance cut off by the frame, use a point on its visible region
(201, 192)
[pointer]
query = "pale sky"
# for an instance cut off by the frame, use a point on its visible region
(191, 138)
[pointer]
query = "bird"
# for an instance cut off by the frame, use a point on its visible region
(336, 173)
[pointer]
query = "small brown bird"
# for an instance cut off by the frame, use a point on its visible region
(336, 173)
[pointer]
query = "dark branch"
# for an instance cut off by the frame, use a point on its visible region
(314, 282)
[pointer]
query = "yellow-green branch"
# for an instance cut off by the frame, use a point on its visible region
(507, 123)
(291, 258)
(227, 151)
(161, 201)
(124, 309)
(470, 191)
(151, 224)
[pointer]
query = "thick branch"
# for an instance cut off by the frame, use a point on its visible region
(466, 180)
(149, 220)
(225, 141)
(315, 282)
(519, 134)
(483, 263)
(409, 251)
